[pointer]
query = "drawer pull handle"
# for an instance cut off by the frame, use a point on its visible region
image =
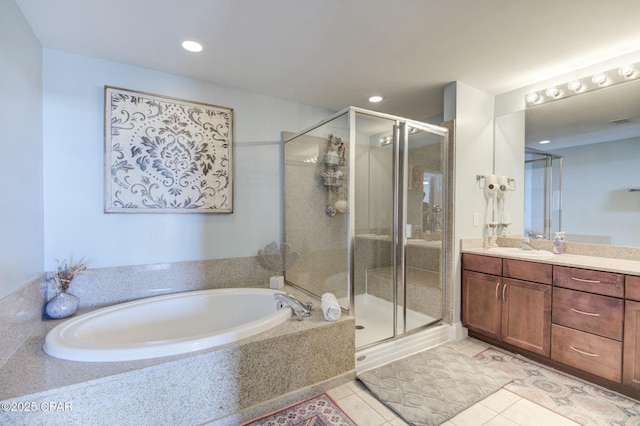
(497, 287)
(582, 280)
(504, 287)
(592, 314)
(583, 352)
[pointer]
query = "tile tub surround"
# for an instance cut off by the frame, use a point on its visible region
(27, 374)
(106, 286)
(22, 310)
(244, 376)
(20, 314)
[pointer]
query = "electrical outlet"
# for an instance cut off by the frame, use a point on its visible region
(476, 219)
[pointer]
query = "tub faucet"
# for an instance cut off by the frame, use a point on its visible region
(300, 310)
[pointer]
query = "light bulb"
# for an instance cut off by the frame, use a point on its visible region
(575, 85)
(600, 78)
(533, 98)
(627, 71)
(553, 92)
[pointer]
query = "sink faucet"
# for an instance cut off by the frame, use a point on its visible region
(299, 309)
(525, 244)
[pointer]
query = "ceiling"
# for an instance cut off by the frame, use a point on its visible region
(335, 53)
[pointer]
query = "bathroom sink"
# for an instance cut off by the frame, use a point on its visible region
(516, 251)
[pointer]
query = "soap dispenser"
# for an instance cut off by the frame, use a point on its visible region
(557, 243)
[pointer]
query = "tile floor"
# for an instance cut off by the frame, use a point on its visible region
(503, 408)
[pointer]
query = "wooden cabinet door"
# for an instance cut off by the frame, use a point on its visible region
(631, 355)
(481, 303)
(526, 315)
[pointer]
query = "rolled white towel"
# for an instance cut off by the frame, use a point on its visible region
(330, 307)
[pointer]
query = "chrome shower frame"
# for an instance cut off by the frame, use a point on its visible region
(400, 180)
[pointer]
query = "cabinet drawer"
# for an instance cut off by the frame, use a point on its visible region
(601, 315)
(605, 283)
(484, 264)
(528, 271)
(594, 354)
(632, 290)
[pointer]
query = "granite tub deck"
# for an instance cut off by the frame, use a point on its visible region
(224, 385)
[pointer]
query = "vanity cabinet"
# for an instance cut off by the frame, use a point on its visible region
(631, 360)
(588, 313)
(582, 320)
(481, 300)
(508, 300)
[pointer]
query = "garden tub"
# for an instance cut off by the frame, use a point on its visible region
(166, 325)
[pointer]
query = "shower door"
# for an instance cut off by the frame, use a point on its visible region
(398, 274)
(425, 163)
(375, 258)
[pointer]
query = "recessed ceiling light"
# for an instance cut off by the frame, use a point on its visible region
(375, 99)
(192, 46)
(544, 142)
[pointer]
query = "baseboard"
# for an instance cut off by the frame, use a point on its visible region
(384, 353)
(458, 332)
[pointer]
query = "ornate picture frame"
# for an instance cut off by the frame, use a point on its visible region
(166, 155)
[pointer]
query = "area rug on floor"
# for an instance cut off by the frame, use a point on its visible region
(320, 410)
(580, 401)
(432, 386)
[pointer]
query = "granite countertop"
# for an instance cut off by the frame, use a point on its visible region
(30, 370)
(629, 267)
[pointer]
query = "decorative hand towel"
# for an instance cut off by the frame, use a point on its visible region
(330, 307)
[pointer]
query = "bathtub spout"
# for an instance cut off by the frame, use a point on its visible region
(299, 309)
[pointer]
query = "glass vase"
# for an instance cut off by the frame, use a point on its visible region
(62, 305)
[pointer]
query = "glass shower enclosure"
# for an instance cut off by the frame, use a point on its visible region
(542, 193)
(365, 205)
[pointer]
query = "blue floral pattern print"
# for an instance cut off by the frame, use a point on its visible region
(166, 155)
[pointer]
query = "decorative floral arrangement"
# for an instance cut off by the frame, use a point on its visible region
(65, 272)
(277, 259)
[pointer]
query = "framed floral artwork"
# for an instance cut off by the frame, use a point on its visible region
(166, 155)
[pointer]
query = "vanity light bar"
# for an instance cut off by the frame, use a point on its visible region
(598, 80)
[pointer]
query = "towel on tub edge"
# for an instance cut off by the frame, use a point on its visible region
(330, 307)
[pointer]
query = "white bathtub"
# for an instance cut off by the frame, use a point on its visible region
(166, 325)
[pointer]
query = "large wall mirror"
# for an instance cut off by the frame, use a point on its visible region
(586, 180)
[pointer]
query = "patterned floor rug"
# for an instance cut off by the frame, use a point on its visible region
(432, 386)
(577, 400)
(320, 410)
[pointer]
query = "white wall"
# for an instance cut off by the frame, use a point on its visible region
(473, 112)
(21, 211)
(73, 169)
